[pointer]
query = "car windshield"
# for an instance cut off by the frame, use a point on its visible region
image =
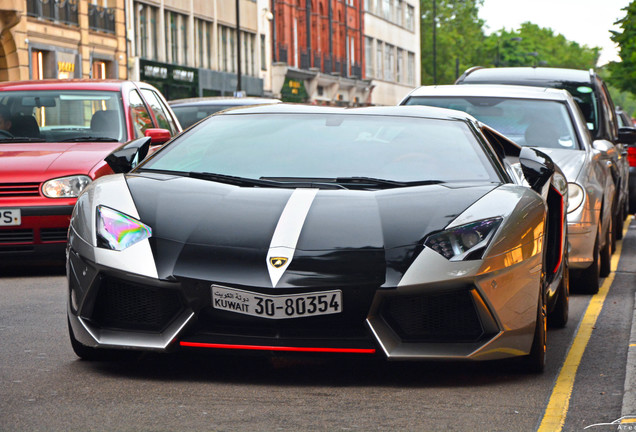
(328, 146)
(585, 98)
(189, 115)
(528, 122)
(63, 116)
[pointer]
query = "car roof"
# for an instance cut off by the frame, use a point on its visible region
(400, 111)
(223, 100)
(72, 84)
(493, 90)
(517, 75)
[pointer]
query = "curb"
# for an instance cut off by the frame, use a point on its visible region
(629, 389)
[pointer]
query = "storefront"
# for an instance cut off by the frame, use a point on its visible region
(174, 82)
(46, 61)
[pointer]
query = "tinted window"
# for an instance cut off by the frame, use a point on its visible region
(329, 146)
(535, 123)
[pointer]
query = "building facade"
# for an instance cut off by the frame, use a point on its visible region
(192, 48)
(42, 39)
(318, 52)
(392, 48)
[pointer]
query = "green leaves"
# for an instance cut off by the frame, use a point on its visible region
(460, 43)
(623, 74)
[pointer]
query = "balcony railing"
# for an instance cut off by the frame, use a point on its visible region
(101, 18)
(63, 11)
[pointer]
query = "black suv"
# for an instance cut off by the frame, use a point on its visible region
(592, 96)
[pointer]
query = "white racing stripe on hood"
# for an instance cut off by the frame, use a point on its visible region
(285, 238)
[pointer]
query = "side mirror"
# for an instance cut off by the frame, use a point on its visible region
(537, 167)
(158, 136)
(128, 156)
(627, 135)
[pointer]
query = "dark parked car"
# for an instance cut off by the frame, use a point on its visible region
(301, 229)
(191, 110)
(592, 96)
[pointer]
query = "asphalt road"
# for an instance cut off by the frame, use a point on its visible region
(44, 387)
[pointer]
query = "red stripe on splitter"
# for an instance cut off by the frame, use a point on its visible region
(278, 348)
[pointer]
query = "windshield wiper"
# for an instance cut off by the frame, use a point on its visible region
(233, 180)
(379, 182)
(90, 139)
(21, 139)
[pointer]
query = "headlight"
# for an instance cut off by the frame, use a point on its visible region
(576, 195)
(65, 187)
(464, 242)
(118, 231)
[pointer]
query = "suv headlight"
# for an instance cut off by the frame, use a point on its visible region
(576, 196)
(65, 187)
(117, 231)
(467, 241)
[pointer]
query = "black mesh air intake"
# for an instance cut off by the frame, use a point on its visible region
(127, 306)
(440, 317)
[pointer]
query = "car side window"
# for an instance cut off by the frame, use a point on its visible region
(611, 114)
(140, 116)
(164, 119)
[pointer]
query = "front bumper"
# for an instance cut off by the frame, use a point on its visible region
(482, 317)
(42, 233)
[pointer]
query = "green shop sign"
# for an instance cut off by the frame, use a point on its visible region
(294, 91)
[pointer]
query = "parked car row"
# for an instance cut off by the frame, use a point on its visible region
(445, 228)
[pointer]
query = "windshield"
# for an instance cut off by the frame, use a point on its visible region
(63, 115)
(531, 123)
(189, 115)
(328, 146)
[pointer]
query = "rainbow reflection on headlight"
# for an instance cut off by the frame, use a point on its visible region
(118, 231)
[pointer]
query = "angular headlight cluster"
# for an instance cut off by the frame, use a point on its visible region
(65, 187)
(576, 195)
(117, 231)
(460, 242)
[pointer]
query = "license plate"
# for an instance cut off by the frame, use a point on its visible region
(10, 217)
(277, 306)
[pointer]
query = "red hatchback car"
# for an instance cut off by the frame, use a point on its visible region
(59, 132)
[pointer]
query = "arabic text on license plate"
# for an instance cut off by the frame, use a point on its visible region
(277, 306)
(10, 217)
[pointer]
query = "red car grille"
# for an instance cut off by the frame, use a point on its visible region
(16, 236)
(19, 189)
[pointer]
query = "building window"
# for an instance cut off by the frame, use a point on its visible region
(368, 56)
(399, 73)
(184, 36)
(223, 49)
(410, 69)
(410, 13)
(389, 62)
(378, 60)
(368, 5)
(99, 70)
(263, 53)
(174, 38)
(37, 64)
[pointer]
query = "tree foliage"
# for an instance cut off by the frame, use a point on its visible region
(460, 43)
(459, 38)
(532, 45)
(623, 73)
